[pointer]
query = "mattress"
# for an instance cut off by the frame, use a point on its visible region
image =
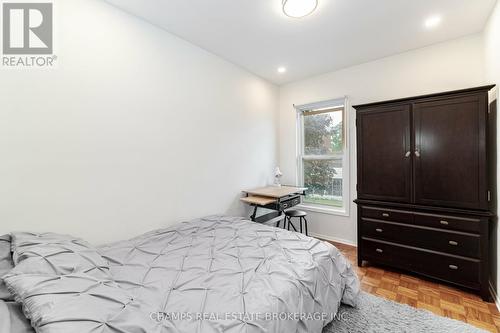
(215, 274)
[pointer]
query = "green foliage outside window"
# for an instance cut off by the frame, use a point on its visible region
(323, 136)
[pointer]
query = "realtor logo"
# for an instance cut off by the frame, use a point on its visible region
(27, 29)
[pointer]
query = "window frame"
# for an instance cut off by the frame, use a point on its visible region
(344, 155)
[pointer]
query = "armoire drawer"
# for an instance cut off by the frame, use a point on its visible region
(447, 222)
(387, 214)
(457, 243)
(449, 268)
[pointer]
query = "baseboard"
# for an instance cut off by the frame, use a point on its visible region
(333, 239)
(495, 296)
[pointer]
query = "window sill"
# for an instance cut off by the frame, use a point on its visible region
(324, 210)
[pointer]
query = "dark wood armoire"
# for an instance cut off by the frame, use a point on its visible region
(426, 181)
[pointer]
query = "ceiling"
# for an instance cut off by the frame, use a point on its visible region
(257, 36)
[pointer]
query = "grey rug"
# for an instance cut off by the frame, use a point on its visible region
(377, 315)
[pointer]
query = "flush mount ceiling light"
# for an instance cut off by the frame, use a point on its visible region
(299, 8)
(432, 21)
(281, 70)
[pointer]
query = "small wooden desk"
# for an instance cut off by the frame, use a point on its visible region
(277, 198)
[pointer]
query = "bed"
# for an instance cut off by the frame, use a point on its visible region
(214, 274)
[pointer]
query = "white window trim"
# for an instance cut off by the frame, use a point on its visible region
(345, 156)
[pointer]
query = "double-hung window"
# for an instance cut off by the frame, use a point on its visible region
(323, 155)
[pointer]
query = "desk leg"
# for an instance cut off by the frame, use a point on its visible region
(280, 213)
(254, 214)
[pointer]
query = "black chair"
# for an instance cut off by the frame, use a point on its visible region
(294, 214)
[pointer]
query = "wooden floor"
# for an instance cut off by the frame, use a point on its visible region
(441, 299)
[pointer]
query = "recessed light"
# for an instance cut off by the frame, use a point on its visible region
(432, 22)
(281, 70)
(299, 8)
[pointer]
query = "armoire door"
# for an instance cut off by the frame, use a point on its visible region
(450, 152)
(384, 153)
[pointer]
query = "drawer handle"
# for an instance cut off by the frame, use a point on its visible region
(443, 222)
(453, 243)
(385, 214)
(379, 230)
(379, 250)
(453, 267)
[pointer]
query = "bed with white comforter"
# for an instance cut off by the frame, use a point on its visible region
(215, 274)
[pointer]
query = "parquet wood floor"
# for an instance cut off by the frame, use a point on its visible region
(441, 299)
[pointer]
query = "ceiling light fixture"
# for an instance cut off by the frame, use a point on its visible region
(281, 70)
(432, 22)
(299, 8)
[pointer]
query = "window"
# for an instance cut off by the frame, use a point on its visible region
(323, 154)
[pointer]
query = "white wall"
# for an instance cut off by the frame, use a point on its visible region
(492, 57)
(447, 66)
(136, 129)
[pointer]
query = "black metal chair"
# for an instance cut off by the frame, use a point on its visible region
(294, 214)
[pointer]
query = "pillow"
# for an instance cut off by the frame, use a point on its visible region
(77, 303)
(13, 319)
(50, 253)
(6, 265)
(64, 285)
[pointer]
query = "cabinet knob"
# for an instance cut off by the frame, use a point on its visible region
(417, 153)
(453, 267)
(379, 230)
(385, 214)
(453, 243)
(444, 222)
(379, 250)
(408, 153)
